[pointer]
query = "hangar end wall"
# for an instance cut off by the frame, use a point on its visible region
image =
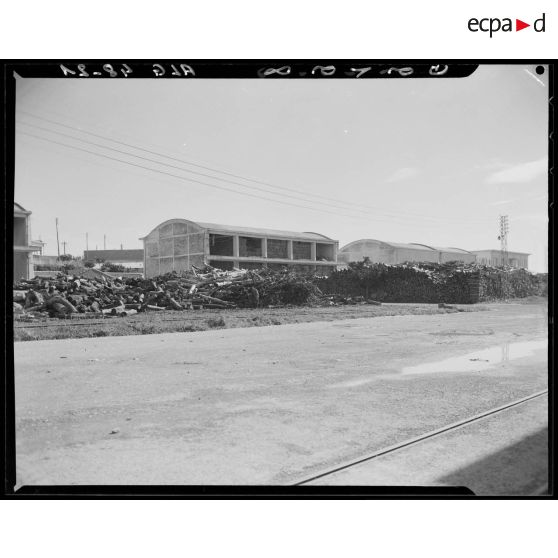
(174, 246)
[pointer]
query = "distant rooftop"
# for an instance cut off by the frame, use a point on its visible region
(411, 246)
(499, 250)
(20, 209)
(392, 244)
(453, 249)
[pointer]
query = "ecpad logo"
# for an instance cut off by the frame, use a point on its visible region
(494, 24)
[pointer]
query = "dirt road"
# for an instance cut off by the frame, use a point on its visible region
(272, 405)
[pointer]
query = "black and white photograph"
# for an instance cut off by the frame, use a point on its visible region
(291, 276)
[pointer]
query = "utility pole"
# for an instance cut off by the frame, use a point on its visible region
(64, 244)
(104, 242)
(503, 238)
(121, 248)
(57, 241)
(87, 242)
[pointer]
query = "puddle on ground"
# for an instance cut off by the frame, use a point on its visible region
(470, 362)
(355, 383)
(479, 360)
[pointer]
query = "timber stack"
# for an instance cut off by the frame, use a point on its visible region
(72, 296)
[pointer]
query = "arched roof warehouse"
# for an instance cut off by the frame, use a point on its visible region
(178, 244)
(381, 251)
(251, 231)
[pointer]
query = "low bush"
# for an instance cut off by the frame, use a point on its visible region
(112, 267)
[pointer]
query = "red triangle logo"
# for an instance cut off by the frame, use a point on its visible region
(519, 25)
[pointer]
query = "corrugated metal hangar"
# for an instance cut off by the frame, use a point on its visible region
(395, 253)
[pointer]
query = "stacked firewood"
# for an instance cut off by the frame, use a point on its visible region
(207, 287)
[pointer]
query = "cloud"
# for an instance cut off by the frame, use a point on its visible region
(524, 172)
(503, 202)
(521, 199)
(403, 174)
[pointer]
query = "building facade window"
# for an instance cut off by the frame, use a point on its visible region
(249, 247)
(277, 249)
(325, 252)
(301, 250)
(220, 245)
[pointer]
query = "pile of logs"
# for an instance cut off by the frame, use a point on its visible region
(208, 287)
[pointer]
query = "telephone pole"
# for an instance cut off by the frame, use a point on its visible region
(64, 244)
(57, 241)
(504, 230)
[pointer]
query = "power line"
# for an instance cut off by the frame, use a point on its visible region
(187, 179)
(184, 170)
(181, 160)
(192, 179)
(298, 198)
(186, 162)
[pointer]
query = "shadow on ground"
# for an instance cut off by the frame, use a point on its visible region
(518, 470)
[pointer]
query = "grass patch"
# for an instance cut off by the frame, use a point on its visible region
(187, 328)
(24, 336)
(202, 320)
(216, 322)
(99, 333)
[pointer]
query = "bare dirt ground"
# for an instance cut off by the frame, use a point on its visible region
(274, 405)
(202, 320)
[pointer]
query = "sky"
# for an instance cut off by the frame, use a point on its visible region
(403, 160)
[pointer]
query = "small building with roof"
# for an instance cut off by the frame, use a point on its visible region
(379, 251)
(129, 258)
(23, 246)
(177, 244)
(518, 260)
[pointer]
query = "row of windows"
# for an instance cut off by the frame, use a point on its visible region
(223, 245)
(250, 247)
